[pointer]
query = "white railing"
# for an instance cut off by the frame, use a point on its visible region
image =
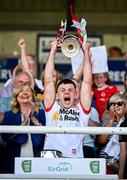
(57, 177)
(62, 130)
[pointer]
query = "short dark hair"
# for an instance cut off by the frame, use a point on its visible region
(65, 81)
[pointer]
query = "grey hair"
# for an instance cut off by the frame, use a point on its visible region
(116, 97)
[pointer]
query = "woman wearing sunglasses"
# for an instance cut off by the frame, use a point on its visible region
(112, 117)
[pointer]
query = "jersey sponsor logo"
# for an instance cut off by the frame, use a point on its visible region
(69, 111)
(69, 115)
(103, 94)
(55, 116)
(66, 115)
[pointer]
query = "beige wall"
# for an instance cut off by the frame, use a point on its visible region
(9, 48)
(27, 17)
(116, 40)
(9, 40)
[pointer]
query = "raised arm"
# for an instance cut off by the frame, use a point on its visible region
(24, 62)
(15, 70)
(49, 86)
(86, 87)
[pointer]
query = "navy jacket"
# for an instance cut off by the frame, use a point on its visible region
(14, 141)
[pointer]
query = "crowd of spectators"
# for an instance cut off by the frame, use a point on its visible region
(57, 102)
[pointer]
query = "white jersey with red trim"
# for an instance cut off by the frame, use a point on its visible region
(69, 144)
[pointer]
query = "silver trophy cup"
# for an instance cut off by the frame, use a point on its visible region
(70, 46)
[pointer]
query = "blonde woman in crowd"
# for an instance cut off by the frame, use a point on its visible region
(112, 117)
(25, 112)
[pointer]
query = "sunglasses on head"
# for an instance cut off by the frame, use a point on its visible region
(116, 103)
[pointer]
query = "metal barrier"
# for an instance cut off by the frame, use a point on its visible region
(58, 177)
(62, 130)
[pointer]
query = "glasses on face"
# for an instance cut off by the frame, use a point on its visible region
(120, 103)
